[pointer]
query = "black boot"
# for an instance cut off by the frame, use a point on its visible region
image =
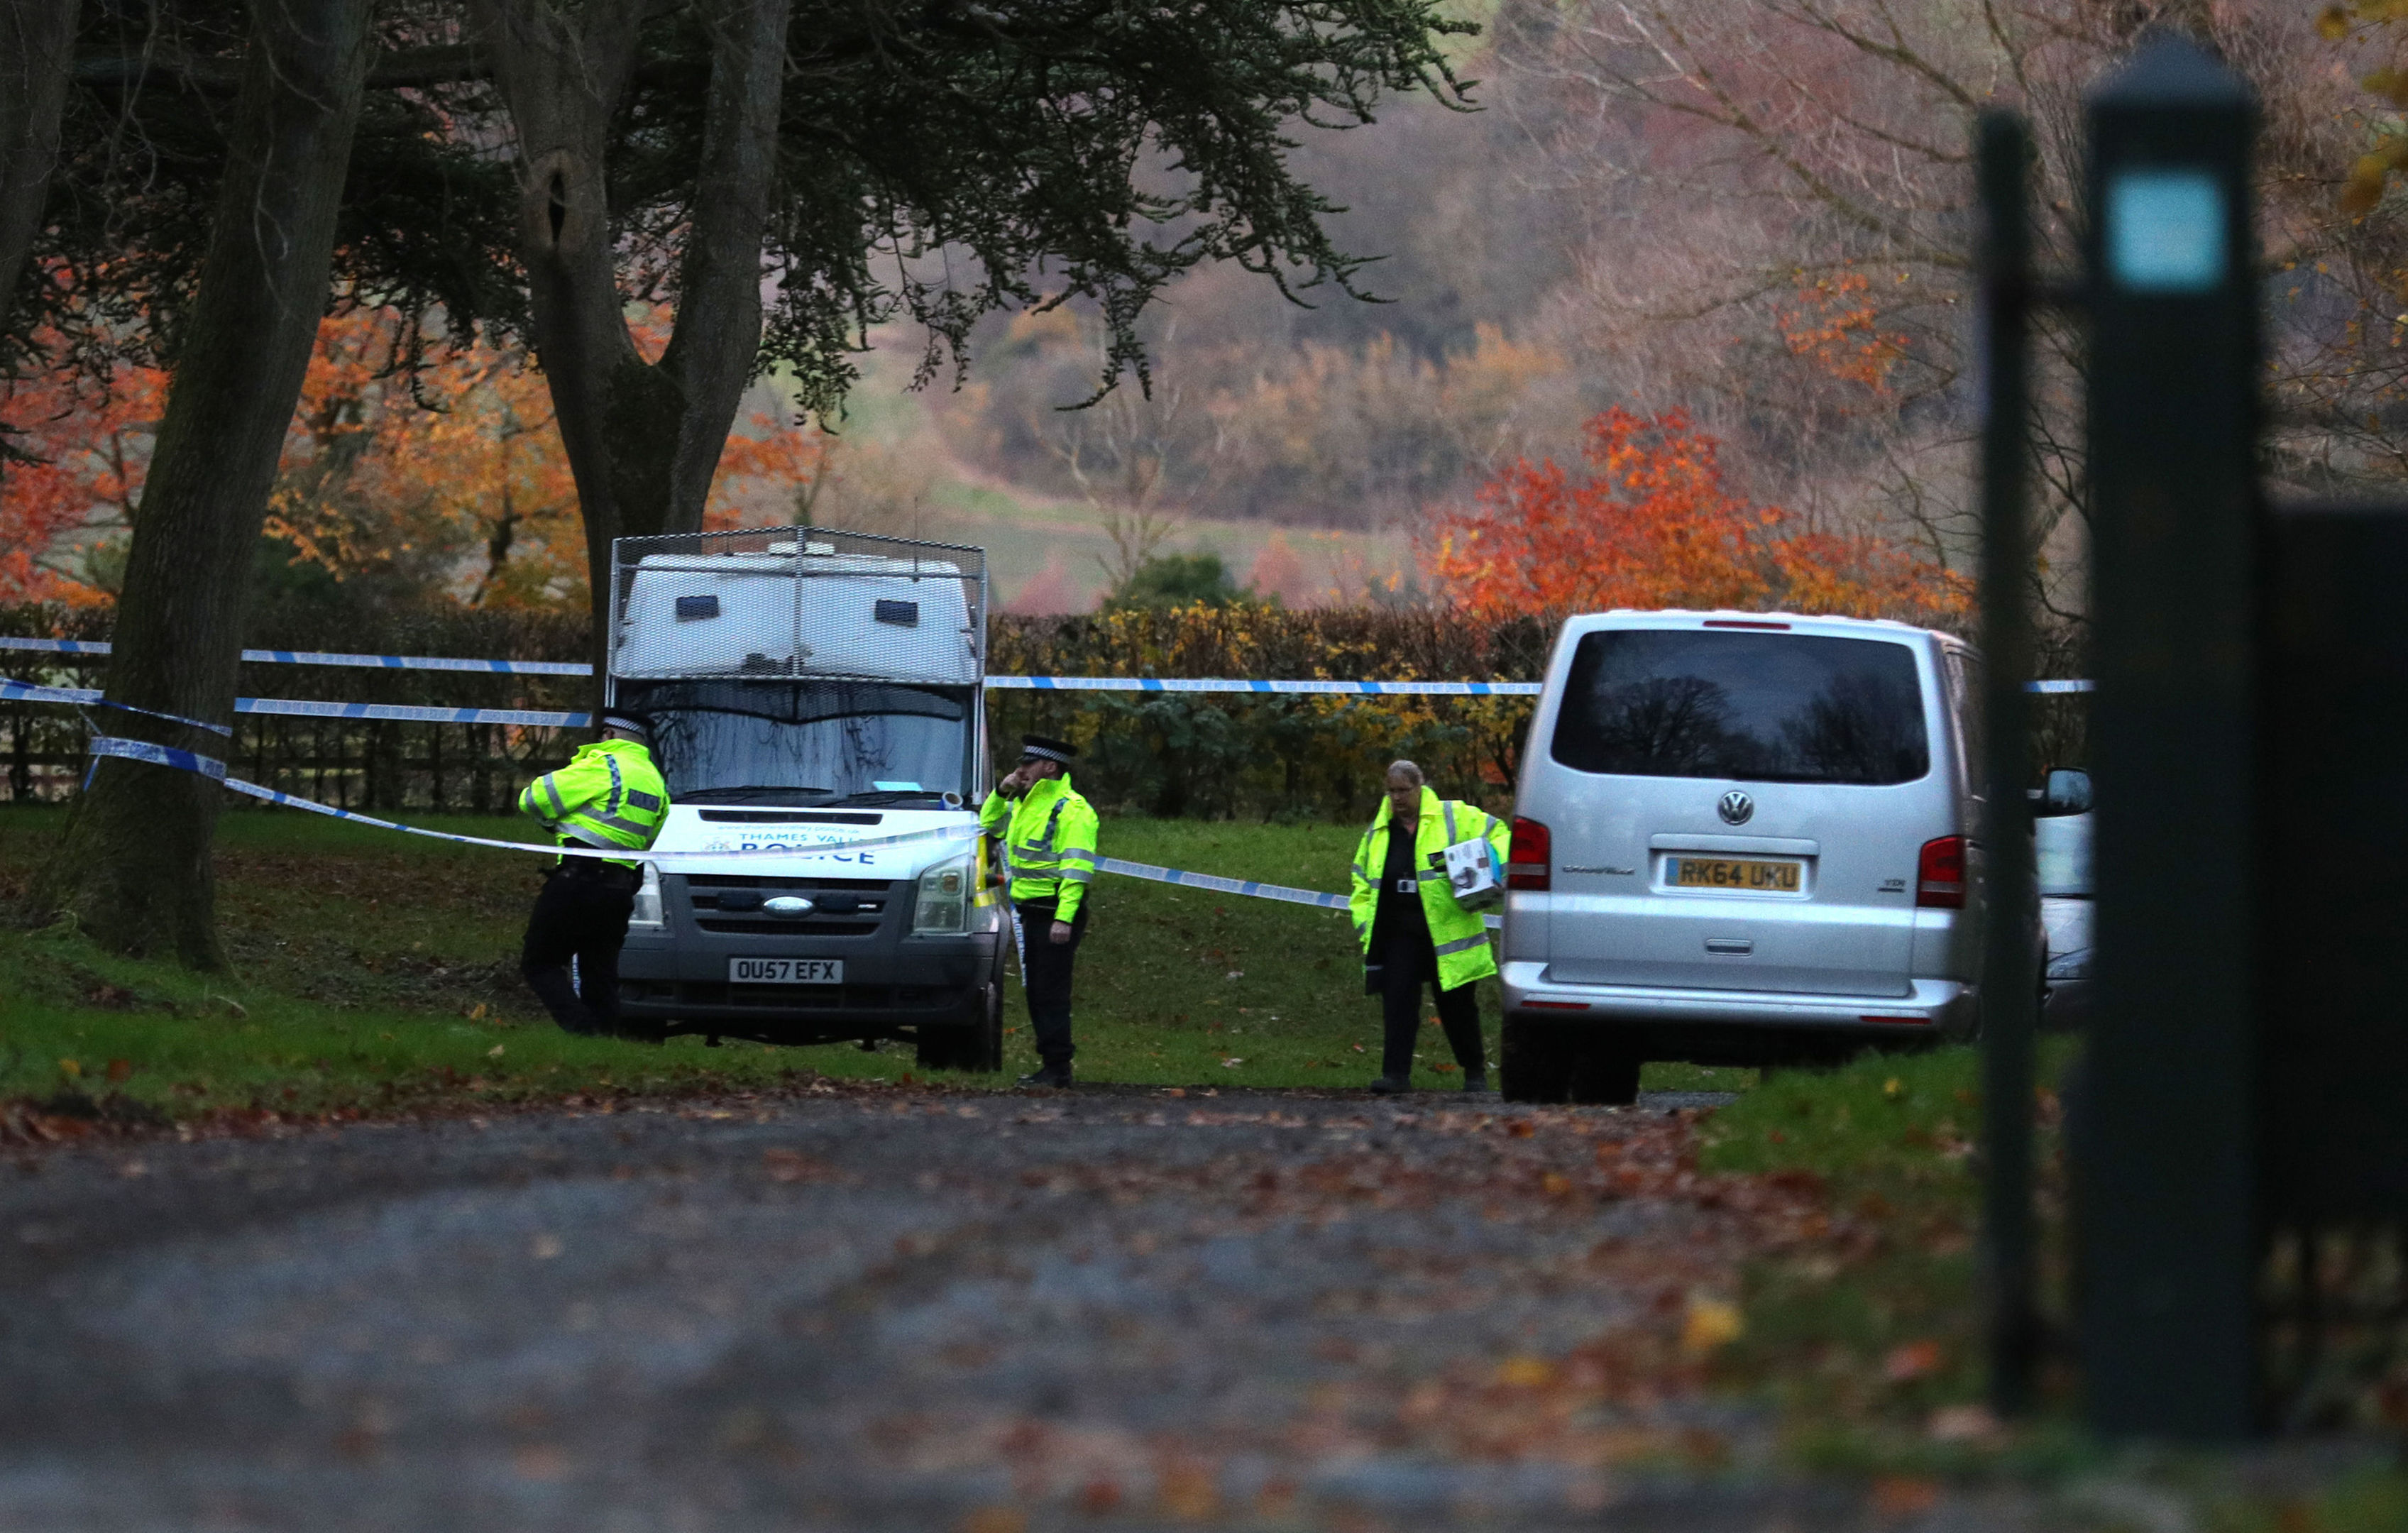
(1392, 1085)
(1048, 1075)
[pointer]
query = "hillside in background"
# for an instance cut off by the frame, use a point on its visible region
(1749, 212)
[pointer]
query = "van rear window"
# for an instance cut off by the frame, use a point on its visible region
(1764, 708)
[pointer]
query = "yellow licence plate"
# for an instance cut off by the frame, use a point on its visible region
(1770, 877)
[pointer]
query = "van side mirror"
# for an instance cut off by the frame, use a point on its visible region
(2067, 793)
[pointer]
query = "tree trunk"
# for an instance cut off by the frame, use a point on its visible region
(643, 440)
(134, 866)
(37, 41)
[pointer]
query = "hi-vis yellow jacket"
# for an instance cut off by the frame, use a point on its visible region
(1460, 937)
(610, 795)
(1048, 842)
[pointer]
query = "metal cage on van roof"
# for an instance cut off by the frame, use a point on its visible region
(797, 602)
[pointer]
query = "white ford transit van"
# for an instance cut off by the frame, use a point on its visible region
(1740, 838)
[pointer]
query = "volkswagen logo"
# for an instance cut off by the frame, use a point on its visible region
(1735, 808)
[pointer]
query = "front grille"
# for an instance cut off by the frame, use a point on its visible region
(743, 880)
(734, 921)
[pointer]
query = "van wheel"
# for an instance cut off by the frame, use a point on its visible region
(973, 1045)
(1606, 1074)
(1534, 1061)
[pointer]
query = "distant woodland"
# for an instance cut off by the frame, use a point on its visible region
(1752, 213)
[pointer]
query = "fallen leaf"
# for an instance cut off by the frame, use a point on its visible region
(1897, 1496)
(1962, 1424)
(1911, 1361)
(119, 1068)
(1525, 1373)
(543, 1248)
(1187, 1492)
(1710, 1323)
(71, 1069)
(1555, 1183)
(995, 1520)
(494, 1052)
(1892, 1089)
(1231, 1064)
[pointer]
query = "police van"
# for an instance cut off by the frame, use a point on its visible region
(817, 706)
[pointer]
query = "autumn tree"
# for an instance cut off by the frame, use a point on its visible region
(1652, 523)
(134, 867)
(85, 445)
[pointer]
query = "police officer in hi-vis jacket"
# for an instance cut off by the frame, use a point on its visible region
(612, 797)
(1412, 931)
(1049, 840)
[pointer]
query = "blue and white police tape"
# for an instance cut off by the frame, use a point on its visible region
(312, 708)
(410, 713)
(162, 755)
(86, 698)
(188, 761)
(1275, 688)
(1246, 887)
(315, 657)
(1001, 683)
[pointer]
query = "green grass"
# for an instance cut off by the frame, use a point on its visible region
(1871, 1326)
(368, 967)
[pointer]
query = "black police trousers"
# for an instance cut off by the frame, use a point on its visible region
(582, 914)
(1409, 962)
(1045, 969)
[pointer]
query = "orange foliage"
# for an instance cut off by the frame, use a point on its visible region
(1836, 327)
(764, 473)
(456, 476)
(475, 491)
(1277, 572)
(91, 445)
(1652, 525)
(1050, 591)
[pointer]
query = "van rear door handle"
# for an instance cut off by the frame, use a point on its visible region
(1730, 947)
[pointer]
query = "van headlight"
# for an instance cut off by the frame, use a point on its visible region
(945, 890)
(648, 899)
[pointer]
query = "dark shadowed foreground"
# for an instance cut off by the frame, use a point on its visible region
(857, 1308)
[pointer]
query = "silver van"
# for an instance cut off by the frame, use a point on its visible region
(1740, 838)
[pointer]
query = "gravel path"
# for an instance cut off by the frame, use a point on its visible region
(857, 1308)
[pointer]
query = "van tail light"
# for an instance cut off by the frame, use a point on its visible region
(1530, 864)
(1939, 881)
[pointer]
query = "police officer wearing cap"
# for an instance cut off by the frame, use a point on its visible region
(610, 797)
(1049, 838)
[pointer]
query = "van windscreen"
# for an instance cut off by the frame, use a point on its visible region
(1760, 706)
(804, 742)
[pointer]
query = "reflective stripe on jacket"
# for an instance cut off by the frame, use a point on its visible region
(1460, 935)
(1048, 842)
(609, 795)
